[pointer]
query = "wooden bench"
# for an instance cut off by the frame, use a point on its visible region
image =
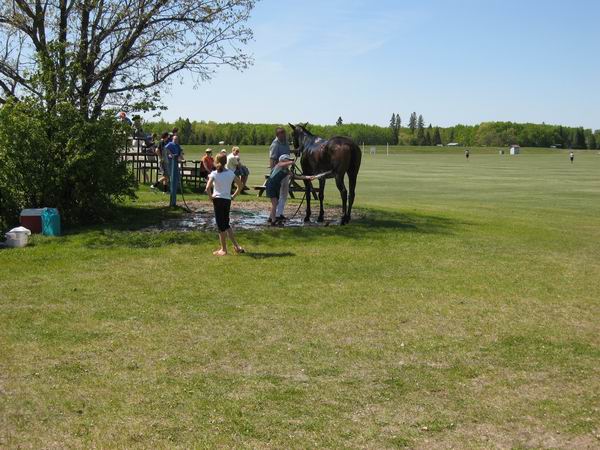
(294, 187)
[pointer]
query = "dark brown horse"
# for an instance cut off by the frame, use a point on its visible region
(333, 158)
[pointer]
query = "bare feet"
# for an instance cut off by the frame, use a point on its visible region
(220, 252)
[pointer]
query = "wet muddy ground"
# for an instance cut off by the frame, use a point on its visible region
(247, 215)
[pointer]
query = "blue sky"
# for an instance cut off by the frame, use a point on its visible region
(461, 61)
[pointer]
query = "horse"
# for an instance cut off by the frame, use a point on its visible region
(333, 158)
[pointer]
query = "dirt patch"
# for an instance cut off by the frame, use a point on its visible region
(248, 215)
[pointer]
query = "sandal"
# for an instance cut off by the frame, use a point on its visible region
(240, 250)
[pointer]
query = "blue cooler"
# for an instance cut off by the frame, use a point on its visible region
(50, 222)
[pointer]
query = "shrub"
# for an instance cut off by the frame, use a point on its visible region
(59, 160)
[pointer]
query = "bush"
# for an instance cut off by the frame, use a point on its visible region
(59, 160)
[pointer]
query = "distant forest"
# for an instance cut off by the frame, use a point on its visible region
(414, 132)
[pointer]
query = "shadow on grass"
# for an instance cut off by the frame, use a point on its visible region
(126, 228)
(266, 255)
(129, 224)
(375, 224)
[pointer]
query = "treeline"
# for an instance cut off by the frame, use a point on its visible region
(415, 132)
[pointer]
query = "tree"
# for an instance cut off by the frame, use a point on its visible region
(420, 130)
(437, 138)
(412, 123)
(63, 161)
(339, 122)
(428, 138)
(592, 141)
(395, 123)
(109, 53)
(186, 132)
(579, 139)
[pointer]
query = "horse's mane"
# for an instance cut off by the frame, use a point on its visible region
(303, 127)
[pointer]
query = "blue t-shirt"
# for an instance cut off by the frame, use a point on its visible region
(277, 149)
(174, 149)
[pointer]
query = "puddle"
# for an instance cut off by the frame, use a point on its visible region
(244, 216)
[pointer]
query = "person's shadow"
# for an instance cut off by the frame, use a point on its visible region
(265, 255)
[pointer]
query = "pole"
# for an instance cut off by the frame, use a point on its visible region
(388, 149)
(174, 180)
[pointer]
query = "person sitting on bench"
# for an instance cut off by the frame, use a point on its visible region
(208, 163)
(234, 164)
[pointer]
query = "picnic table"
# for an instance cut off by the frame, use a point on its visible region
(294, 187)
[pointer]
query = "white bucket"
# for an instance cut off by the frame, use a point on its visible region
(17, 237)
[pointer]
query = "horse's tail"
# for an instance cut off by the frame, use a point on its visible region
(355, 159)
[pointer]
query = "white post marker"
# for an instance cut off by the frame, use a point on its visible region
(388, 149)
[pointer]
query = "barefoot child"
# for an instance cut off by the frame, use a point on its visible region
(218, 189)
(279, 173)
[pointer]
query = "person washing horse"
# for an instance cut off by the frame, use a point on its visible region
(278, 148)
(281, 173)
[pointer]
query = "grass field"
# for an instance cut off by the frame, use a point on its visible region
(461, 311)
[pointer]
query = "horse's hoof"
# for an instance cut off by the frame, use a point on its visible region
(321, 219)
(307, 220)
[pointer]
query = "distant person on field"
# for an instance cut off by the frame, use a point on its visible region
(467, 154)
(163, 162)
(218, 189)
(279, 174)
(280, 147)
(572, 157)
(234, 163)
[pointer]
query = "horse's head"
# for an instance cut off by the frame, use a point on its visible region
(299, 132)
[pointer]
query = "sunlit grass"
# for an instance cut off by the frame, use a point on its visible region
(461, 311)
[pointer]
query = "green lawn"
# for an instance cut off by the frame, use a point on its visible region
(462, 311)
(197, 151)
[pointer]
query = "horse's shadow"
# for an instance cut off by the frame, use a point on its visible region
(371, 223)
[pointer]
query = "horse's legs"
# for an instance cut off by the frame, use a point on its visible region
(321, 197)
(339, 181)
(352, 181)
(307, 196)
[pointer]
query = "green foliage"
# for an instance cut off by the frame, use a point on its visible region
(488, 134)
(412, 122)
(395, 125)
(59, 160)
(437, 138)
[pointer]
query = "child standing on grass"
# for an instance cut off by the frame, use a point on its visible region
(218, 189)
(279, 173)
(571, 157)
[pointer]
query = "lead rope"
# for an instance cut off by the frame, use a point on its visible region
(187, 208)
(295, 170)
